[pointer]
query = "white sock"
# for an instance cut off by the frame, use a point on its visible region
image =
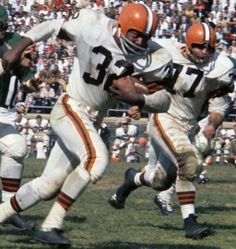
(55, 218)
(186, 186)
(7, 195)
(186, 210)
(137, 179)
(167, 194)
(6, 210)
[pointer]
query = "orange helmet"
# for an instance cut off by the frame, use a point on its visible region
(200, 33)
(138, 17)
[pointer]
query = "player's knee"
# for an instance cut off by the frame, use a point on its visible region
(100, 165)
(191, 168)
(164, 178)
(18, 149)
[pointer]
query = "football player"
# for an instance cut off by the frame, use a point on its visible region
(203, 142)
(199, 72)
(124, 135)
(106, 50)
(13, 147)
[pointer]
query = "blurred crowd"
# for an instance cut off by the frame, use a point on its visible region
(56, 56)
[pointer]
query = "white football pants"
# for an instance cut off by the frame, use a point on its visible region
(78, 156)
(171, 139)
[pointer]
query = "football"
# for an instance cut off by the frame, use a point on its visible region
(138, 84)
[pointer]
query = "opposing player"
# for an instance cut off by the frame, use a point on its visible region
(106, 50)
(199, 72)
(13, 147)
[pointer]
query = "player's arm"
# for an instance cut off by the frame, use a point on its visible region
(217, 108)
(40, 32)
(226, 82)
(156, 102)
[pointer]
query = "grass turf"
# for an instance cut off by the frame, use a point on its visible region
(93, 224)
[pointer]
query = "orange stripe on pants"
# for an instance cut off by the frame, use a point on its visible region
(78, 123)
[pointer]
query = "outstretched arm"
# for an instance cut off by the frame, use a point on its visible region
(38, 33)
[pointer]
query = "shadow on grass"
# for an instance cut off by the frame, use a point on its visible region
(29, 244)
(123, 245)
(207, 209)
(11, 230)
(76, 218)
(161, 226)
(168, 227)
(223, 181)
(220, 226)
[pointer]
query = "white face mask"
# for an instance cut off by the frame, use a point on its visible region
(129, 47)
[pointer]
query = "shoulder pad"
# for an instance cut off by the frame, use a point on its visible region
(219, 66)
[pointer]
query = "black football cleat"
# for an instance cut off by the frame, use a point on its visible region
(118, 200)
(165, 207)
(203, 180)
(20, 223)
(193, 230)
(52, 237)
(115, 203)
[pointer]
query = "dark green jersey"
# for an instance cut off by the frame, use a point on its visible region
(10, 82)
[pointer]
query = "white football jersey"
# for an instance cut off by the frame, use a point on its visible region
(98, 59)
(193, 83)
(132, 132)
(22, 125)
(44, 124)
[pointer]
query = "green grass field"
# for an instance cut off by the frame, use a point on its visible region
(93, 224)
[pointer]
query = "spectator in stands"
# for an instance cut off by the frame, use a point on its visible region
(200, 8)
(221, 13)
(48, 95)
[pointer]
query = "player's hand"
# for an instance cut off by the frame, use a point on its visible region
(124, 90)
(134, 112)
(32, 85)
(209, 131)
(27, 57)
(13, 56)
